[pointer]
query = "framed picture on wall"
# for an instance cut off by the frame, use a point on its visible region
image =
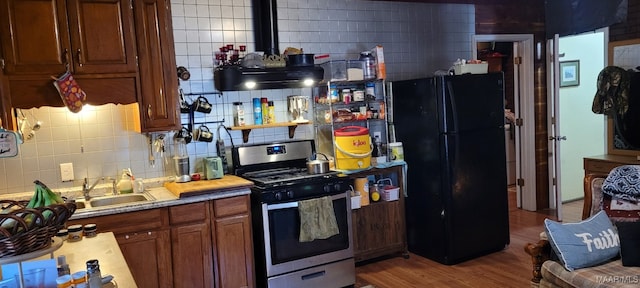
(569, 73)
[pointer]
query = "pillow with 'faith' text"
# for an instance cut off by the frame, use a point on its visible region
(583, 244)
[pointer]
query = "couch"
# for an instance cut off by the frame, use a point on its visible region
(550, 272)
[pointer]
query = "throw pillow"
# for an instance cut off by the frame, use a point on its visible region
(629, 243)
(583, 244)
(620, 210)
(623, 182)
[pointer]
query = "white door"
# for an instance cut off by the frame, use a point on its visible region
(575, 131)
(523, 48)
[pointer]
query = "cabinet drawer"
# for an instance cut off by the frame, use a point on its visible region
(600, 166)
(231, 206)
(128, 222)
(195, 212)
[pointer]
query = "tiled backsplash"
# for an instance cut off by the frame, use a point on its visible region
(418, 39)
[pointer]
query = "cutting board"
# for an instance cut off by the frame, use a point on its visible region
(194, 188)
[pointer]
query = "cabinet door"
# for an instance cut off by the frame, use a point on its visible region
(157, 67)
(192, 256)
(233, 242)
(34, 36)
(380, 229)
(102, 36)
(233, 252)
(148, 255)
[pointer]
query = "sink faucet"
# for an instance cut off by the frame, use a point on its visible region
(86, 188)
(114, 187)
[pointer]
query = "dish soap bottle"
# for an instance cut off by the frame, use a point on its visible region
(124, 185)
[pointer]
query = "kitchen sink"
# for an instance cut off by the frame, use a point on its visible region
(112, 200)
(80, 205)
(117, 199)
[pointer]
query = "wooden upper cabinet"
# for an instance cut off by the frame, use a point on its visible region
(102, 36)
(92, 36)
(157, 66)
(34, 35)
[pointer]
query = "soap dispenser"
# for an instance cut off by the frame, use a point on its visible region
(124, 185)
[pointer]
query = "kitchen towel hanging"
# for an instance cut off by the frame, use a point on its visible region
(317, 219)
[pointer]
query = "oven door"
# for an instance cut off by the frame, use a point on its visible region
(285, 253)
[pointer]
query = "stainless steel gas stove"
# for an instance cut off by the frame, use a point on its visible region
(281, 181)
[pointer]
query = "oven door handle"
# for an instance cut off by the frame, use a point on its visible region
(294, 204)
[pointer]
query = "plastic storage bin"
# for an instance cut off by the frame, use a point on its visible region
(480, 68)
(335, 70)
(389, 192)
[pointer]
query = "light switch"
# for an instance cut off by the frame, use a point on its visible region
(66, 172)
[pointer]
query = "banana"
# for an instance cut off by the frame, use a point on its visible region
(46, 196)
(32, 202)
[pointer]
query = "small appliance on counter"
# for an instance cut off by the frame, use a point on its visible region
(181, 161)
(213, 167)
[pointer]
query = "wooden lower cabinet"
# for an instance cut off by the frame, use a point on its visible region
(148, 257)
(191, 245)
(233, 243)
(379, 228)
(203, 244)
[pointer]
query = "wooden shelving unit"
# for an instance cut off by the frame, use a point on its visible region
(379, 228)
(247, 128)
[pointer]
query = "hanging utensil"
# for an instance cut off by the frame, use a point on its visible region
(152, 158)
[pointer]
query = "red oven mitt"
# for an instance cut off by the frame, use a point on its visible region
(70, 92)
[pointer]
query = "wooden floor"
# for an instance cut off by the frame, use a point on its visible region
(508, 268)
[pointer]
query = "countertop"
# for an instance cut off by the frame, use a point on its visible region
(226, 187)
(103, 247)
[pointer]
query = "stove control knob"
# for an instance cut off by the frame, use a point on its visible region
(337, 187)
(290, 194)
(327, 188)
(278, 195)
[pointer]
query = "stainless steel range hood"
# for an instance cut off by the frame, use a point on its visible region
(234, 78)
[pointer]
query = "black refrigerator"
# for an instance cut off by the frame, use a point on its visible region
(452, 132)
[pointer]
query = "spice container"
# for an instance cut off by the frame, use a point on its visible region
(370, 90)
(90, 230)
(238, 114)
(75, 233)
(94, 277)
(79, 279)
(63, 234)
(64, 281)
(346, 96)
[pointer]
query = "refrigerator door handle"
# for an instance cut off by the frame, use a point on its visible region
(442, 214)
(451, 103)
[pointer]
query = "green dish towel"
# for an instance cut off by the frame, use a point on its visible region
(317, 219)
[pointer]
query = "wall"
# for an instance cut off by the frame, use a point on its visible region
(629, 29)
(418, 39)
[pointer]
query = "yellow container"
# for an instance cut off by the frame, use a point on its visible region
(353, 148)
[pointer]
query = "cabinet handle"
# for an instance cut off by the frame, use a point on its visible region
(149, 111)
(126, 236)
(79, 54)
(1, 64)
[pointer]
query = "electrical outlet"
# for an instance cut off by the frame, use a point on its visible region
(66, 172)
(378, 135)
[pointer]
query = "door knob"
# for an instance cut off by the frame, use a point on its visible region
(558, 138)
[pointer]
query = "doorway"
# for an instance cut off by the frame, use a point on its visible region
(523, 109)
(575, 131)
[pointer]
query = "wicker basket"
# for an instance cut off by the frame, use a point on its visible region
(24, 230)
